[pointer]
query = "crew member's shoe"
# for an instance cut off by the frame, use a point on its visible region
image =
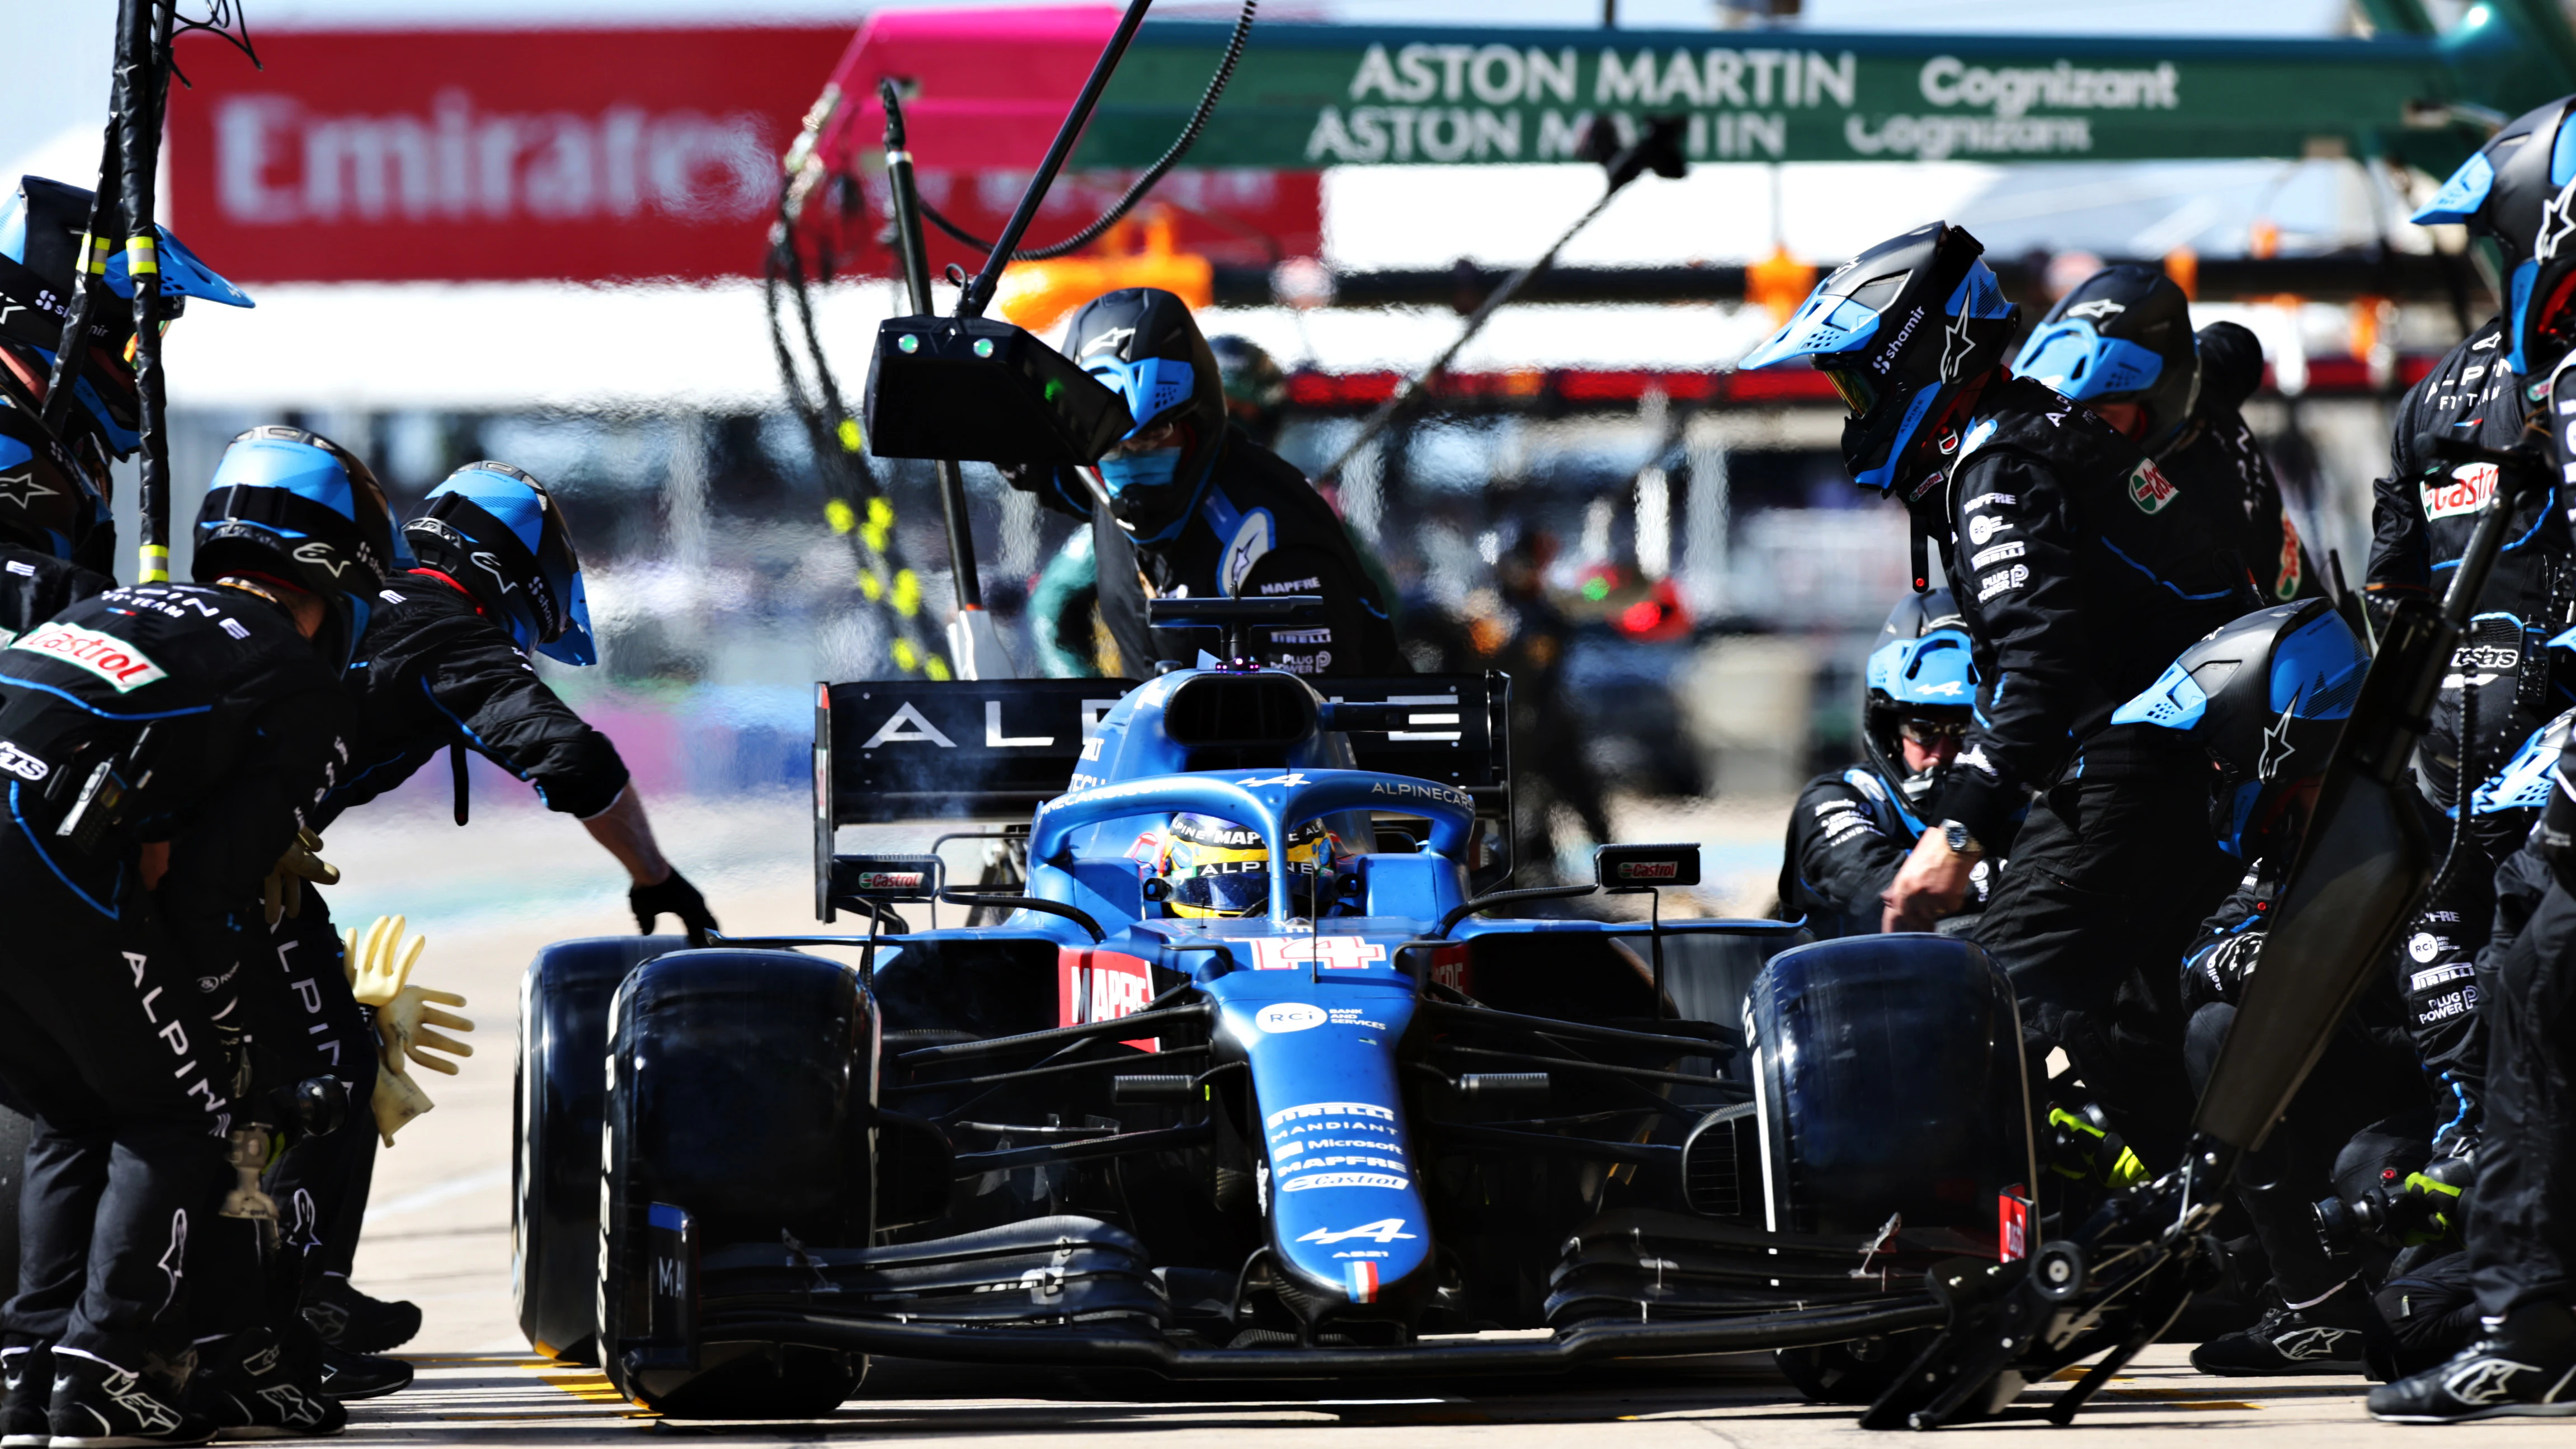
(347, 1376)
(2323, 1338)
(2527, 1368)
(254, 1389)
(352, 1322)
(96, 1405)
(28, 1373)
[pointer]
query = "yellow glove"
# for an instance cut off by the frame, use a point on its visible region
(380, 967)
(282, 894)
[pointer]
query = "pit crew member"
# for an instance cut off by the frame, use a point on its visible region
(444, 665)
(166, 742)
(2078, 581)
(2503, 683)
(2264, 698)
(1187, 505)
(2121, 344)
(1849, 831)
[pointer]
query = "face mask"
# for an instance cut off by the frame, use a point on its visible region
(1120, 472)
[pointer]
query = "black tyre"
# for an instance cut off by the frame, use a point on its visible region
(554, 1170)
(739, 1094)
(14, 1134)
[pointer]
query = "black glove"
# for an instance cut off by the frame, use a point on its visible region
(675, 895)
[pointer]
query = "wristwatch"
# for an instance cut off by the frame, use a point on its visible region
(1955, 835)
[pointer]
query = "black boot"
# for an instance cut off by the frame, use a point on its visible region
(28, 1370)
(97, 1405)
(2323, 1338)
(347, 1376)
(2527, 1367)
(355, 1323)
(254, 1388)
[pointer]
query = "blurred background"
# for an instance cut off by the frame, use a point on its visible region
(537, 230)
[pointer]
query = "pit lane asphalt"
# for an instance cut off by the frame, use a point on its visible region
(439, 1234)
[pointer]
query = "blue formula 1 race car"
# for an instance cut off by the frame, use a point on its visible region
(1344, 1119)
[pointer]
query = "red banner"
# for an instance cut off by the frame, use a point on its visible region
(588, 156)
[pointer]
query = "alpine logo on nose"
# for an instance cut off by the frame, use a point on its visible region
(1384, 1230)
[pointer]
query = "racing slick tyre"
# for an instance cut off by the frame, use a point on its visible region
(738, 1111)
(554, 1201)
(15, 1132)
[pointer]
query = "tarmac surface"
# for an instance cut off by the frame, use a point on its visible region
(438, 1234)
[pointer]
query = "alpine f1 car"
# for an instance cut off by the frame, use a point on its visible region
(1357, 1130)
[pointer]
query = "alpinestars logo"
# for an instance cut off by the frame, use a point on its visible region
(2097, 310)
(21, 488)
(2277, 748)
(2310, 1343)
(1955, 344)
(2486, 1380)
(2557, 223)
(1112, 341)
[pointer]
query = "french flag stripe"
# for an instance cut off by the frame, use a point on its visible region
(1363, 1279)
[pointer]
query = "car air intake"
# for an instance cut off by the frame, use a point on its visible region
(1720, 1163)
(1240, 711)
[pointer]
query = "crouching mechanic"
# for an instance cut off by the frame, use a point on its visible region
(164, 744)
(1188, 506)
(2265, 697)
(2079, 582)
(443, 664)
(1850, 831)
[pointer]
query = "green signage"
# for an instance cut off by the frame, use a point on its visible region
(1323, 95)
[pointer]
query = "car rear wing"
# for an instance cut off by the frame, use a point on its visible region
(892, 751)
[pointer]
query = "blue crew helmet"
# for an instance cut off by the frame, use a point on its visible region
(500, 536)
(1922, 684)
(293, 507)
(2266, 696)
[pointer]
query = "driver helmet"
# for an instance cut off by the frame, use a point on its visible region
(1142, 344)
(2266, 696)
(499, 535)
(41, 226)
(1899, 330)
(2502, 195)
(1215, 867)
(2122, 336)
(1922, 681)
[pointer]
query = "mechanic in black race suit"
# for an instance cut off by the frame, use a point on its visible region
(2504, 682)
(165, 743)
(444, 665)
(1850, 830)
(1186, 505)
(2265, 697)
(2521, 1235)
(2121, 344)
(2079, 582)
(51, 510)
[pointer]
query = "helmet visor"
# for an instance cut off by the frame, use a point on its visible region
(1225, 892)
(1854, 388)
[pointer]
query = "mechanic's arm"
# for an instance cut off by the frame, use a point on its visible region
(493, 694)
(1054, 484)
(2219, 959)
(1839, 851)
(2401, 559)
(2021, 584)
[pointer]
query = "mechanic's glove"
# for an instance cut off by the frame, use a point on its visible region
(282, 894)
(398, 1099)
(675, 895)
(380, 967)
(2555, 838)
(2086, 1151)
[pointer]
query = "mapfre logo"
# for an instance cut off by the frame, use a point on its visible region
(278, 163)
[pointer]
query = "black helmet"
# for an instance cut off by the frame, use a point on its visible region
(2122, 336)
(2265, 696)
(499, 535)
(2499, 192)
(1142, 343)
(1255, 388)
(40, 231)
(298, 508)
(48, 501)
(1924, 668)
(2540, 304)
(1897, 330)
